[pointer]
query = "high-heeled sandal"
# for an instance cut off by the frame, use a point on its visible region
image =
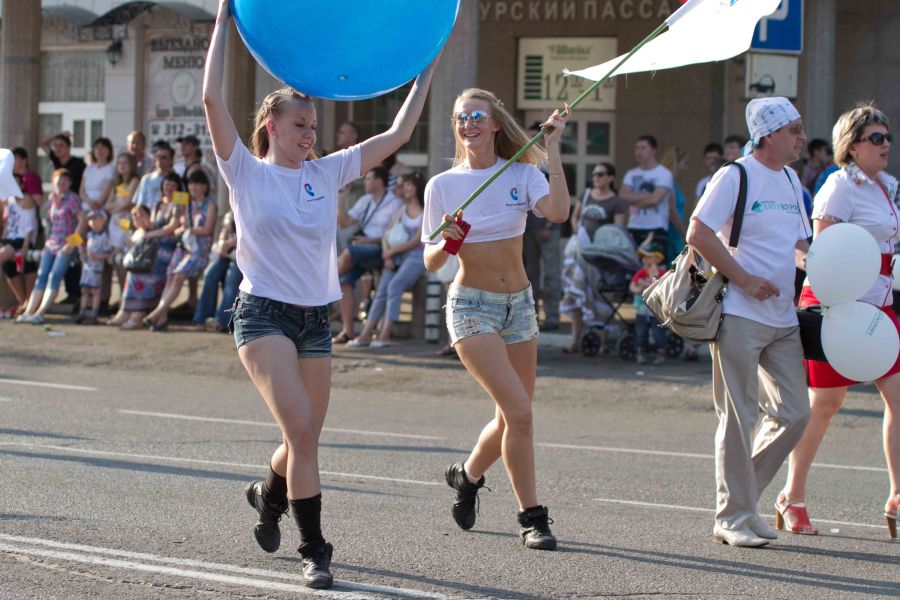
(892, 514)
(793, 517)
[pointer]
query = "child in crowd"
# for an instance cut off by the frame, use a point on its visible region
(645, 323)
(65, 215)
(18, 235)
(94, 255)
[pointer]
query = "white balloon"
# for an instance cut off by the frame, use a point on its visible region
(896, 271)
(843, 263)
(8, 185)
(860, 341)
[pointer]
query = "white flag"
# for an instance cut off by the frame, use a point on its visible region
(700, 31)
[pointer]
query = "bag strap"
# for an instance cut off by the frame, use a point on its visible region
(738, 220)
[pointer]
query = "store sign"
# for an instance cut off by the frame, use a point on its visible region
(174, 97)
(541, 83)
(771, 75)
(572, 10)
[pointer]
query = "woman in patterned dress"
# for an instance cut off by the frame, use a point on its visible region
(192, 254)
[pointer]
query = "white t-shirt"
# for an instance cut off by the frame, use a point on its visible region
(701, 186)
(774, 220)
(855, 198)
(375, 216)
(21, 222)
(647, 180)
(149, 190)
(94, 179)
(286, 223)
(498, 213)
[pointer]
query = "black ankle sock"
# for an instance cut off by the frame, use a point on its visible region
(308, 515)
(275, 488)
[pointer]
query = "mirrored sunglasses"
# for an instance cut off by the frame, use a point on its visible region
(476, 117)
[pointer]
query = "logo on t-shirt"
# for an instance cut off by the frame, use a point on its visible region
(514, 194)
(761, 206)
(309, 189)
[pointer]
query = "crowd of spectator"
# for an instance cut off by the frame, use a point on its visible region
(147, 225)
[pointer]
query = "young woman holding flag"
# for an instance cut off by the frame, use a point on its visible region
(490, 308)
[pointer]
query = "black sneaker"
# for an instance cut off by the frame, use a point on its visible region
(317, 568)
(266, 531)
(464, 509)
(535, 531)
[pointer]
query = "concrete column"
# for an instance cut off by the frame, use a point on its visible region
(20, 74)
(457, 71)
(819, 61)
(240, 79)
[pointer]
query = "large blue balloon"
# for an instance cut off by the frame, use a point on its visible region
(344, 49)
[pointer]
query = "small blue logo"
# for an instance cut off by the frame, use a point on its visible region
(514, 193)
(309, 189)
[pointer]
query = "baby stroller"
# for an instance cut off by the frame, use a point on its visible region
(606, 259)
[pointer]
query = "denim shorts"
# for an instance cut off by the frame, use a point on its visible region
(471, 311)
(254, 317)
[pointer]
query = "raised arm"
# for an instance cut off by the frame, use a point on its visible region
(555, 206)
(218, 119)
(375, 149)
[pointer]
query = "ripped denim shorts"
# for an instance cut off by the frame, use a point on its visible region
(253, 317)
(471, 311)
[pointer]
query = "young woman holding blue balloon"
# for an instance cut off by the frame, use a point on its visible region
(284, 201)
(490, 307)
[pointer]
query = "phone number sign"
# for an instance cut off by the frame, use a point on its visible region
(541, 83)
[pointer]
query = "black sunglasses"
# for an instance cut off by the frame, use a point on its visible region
(600, 173)
(878, 138)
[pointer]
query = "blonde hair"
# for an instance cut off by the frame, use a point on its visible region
(672, 157)
(850, 127)
(509, 140)
(274, 104)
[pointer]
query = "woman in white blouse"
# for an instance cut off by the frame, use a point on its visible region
(864, 194)
(98, 176)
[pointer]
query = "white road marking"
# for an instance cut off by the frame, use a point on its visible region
(183, 567)
(178, 459)
(6, 399)
(270, 424)
(58, 386)
(693, 455)
(710, 510)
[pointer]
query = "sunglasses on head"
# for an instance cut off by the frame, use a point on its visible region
(878, 138)
(476, 117)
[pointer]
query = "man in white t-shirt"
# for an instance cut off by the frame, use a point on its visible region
(149, 189)
(646, 189)
(370, 215)
(759, 341)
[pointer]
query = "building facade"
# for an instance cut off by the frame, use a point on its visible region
(106, 67)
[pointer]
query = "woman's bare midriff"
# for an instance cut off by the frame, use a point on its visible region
(493, 266)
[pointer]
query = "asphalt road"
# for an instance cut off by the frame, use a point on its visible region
(126, 482)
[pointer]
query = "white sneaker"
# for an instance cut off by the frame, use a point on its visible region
(36, 320)
(23, 318)
(744, 538)
(761, 528)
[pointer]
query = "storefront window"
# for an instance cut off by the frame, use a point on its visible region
(73, 76)
(377, 115)
(598, 138)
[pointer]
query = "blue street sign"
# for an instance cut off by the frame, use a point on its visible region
(782, 31)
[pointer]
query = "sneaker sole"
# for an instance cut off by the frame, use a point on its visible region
(250, 493)
(546, 545)
(724, 542)
(319, 583)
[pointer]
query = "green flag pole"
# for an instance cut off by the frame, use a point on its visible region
(540, 134)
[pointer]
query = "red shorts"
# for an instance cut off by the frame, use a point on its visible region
(820, 374)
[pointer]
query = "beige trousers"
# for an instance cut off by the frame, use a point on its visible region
(746, 357)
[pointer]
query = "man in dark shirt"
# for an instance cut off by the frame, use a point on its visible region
(59, 150)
